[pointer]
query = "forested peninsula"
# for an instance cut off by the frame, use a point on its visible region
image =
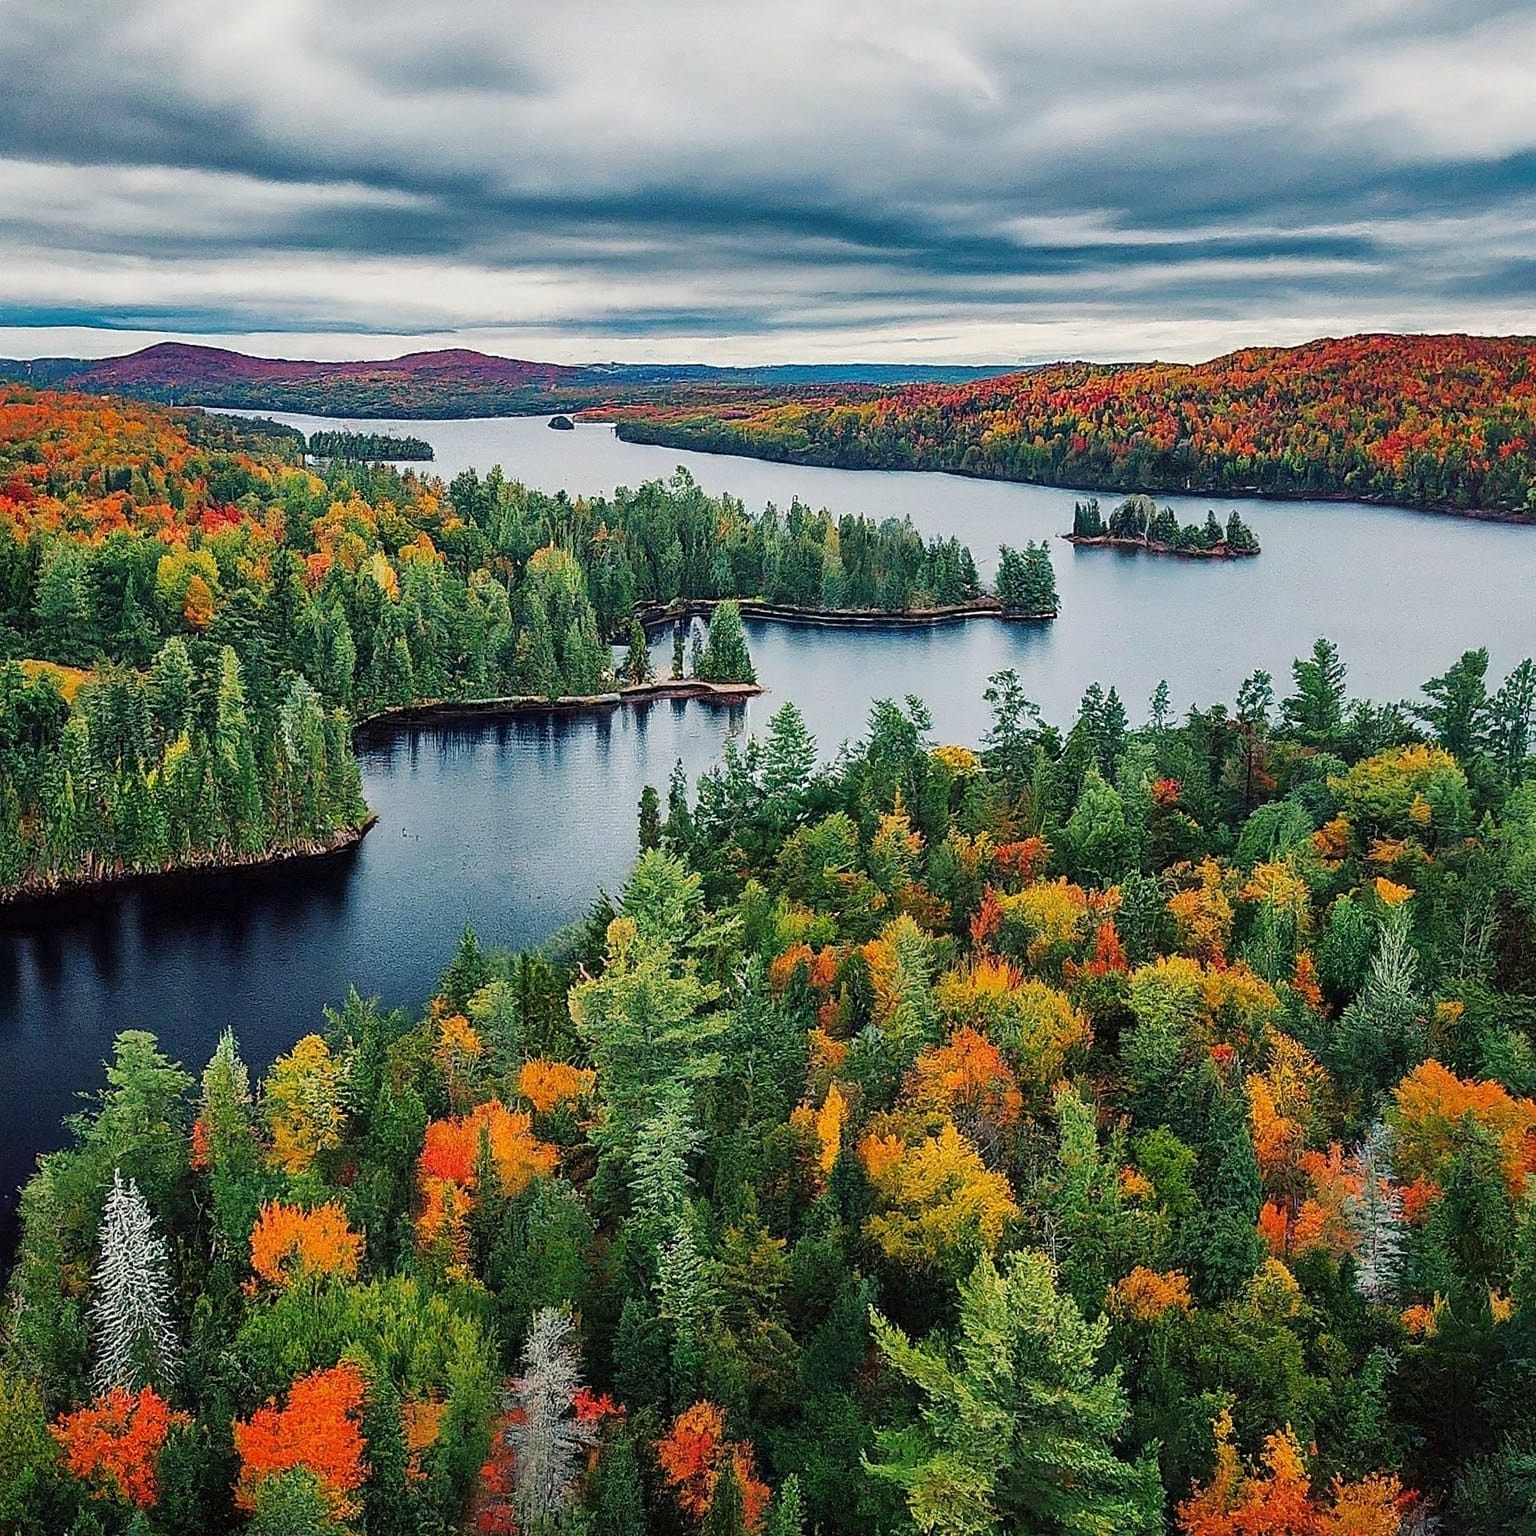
(1445, 423)
(370, 447)
(1118, 1128)
(191, 620)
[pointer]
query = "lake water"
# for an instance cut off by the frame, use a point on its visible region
(513, 825)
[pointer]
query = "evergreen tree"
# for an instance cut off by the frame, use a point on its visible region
(1315, 712)
(618, 1504)
(637, 661)
(1016, 1425)
(724, 658)
(650, 818)
(136, 1343)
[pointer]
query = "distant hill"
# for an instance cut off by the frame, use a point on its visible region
(453, 382)
(1441, 422)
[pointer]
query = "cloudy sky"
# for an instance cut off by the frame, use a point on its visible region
(726, 180)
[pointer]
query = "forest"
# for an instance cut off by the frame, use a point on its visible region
(1118, 1128)
(191, 619)
(1440, 422)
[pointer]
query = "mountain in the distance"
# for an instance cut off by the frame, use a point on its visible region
(452, 382)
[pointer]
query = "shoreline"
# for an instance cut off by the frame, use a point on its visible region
(629, 696)
(657, 615)
(1084, 487)
(1155, 547)
(89, 888)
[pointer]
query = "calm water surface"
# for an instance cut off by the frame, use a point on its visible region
(513, 825)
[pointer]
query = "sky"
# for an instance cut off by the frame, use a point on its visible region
(736, 182)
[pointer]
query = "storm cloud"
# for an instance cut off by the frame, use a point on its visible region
(729, 182)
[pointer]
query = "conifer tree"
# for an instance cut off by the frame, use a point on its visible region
(637, 661)
(725, 658)
(1016, 1425)
(544, 1431)
(136, 1344)
(650, 818)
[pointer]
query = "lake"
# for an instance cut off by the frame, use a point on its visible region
(512, 825)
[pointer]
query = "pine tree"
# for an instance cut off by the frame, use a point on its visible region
(136, 1344)
(544, 1432)
(637, 661)
(1383, 1033)
(650, 818)
(789, 760)
(727, 1515)
(1016, 1426)
(1315, 712)
(680, 1303)
(786, 1517)
(725, 658)
(618, 1504)
(226, 1131)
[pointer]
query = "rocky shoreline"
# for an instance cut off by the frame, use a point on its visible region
(654, 615)
(34, 893)
(1155, 547)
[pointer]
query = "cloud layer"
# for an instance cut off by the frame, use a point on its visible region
(680, 178)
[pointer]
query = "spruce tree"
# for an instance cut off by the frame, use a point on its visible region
(637, 661)
(650, 818)
(618, 1503)
(136, 1344)
(1016, 1426)
(548, 1438)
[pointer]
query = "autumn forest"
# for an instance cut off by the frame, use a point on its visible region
(1122, 1123)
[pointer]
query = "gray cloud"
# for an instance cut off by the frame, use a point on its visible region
(981, 180)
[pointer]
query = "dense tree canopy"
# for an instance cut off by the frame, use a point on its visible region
(1434, 421)
(1111, 1129)
(191, 620)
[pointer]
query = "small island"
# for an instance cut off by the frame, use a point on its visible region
(369, 448)
(1139, 524)
(561, 424)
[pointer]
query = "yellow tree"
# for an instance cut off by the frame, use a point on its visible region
(302, 1104)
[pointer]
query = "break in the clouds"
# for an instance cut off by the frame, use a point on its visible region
(733, 182)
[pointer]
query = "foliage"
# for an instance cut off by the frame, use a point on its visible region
(317, 1429)
(777, 1144)
(1440, 421)
(115, 1443)
(289, 1243)
(1017, 1427)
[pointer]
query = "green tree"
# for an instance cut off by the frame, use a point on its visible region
(725, 658)
(1315, 712)
(637, 661)
(1016, 1424)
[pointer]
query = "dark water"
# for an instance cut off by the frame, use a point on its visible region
(513, 825)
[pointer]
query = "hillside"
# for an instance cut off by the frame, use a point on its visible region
(455, 382)
(1442, 422)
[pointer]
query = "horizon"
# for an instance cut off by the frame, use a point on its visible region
(1002, 366)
